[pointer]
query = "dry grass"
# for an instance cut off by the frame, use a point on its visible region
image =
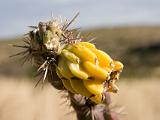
(140, 98)
(21, 101)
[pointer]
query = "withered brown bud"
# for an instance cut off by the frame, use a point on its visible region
(42, 27)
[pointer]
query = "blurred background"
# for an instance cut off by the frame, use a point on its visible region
(129, 30)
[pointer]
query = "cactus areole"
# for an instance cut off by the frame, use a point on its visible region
(70, 62)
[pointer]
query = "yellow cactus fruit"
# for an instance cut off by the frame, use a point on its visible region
(96, 71)
(118, 66)
(86, 70)
(94, 86)
(68, 86)
(88, 45)
(76, 84)
(77, 71)
(70, 56)
(65, 82)
(63, 68)
(97, 98)
(79, 87)
(104, 59)
(84, 53)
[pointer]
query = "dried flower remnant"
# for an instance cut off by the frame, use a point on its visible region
(62, 56)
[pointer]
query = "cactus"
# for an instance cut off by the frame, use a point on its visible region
(86, 73)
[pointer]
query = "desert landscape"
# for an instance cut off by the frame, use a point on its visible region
(21, 101)
(138, 99)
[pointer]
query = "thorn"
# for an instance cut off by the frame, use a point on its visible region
(91, 40)
(62, 91)
(26, 58)
(42, 66)
(78, 35)
(21, 46)
(75, 29)
(45, 74)
(26, 34)
(20, 53)
(38, 81)
(26, 41)
(121, 110)
(64, 24)
(63, 102)
(71, 21)
(69, 113)
(52, 16)
(33, 27)
(38, 73)
(60, 19)
(64, 95)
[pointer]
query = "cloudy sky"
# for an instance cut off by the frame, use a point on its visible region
(16, 15)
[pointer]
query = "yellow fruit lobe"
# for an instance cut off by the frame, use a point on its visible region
(88, 45)
(118, 66)
(70, 56)
(96, 71)
(79, 87)
(84, 53)
(94, 86)
(68, 86)
(104, 59)
(97, 98)
(63, 68)
(77, 71)
(65, 82)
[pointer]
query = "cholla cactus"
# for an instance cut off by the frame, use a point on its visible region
(77, 67)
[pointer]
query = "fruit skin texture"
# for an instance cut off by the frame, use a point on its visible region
(84, 53)
(88, 45)
(85, 70)
(79, 87)
(96, 71)
(118, 66)
(65, 82)
(74, 84)
(70, 56)
(94, 86)
(77, 71)
(104, 59)
(63, 68)
(97, 98)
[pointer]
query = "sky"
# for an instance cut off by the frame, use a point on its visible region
(16, 15)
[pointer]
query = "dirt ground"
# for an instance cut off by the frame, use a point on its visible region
(19, 100)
